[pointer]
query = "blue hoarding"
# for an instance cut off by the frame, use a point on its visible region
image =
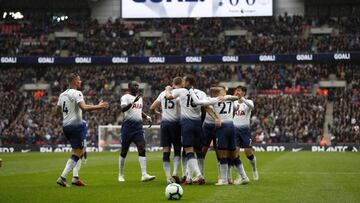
(254, 58)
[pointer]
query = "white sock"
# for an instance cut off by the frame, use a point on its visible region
(229, 175)
(224, 171)
(121, 165)
(77, 169)
(167, 168)
(184, 165)
(70, 164)
(142, 161)
(201, 165)
(194, 167)
(241, 171)
(253, 163)
(187, 171)
(176, 165)
(218, 167)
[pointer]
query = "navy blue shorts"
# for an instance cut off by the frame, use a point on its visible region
(131, 131)
(191, 133)
(84, 134)
(209, 134)
(75, 133)
(225, 137)
(243, 137)
(170, 133)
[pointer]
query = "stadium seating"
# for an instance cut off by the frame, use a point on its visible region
(346, 116)
(277, 90)
(288, 118)
(270, 35)
(25, 119)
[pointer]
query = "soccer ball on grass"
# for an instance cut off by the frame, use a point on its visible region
(173, 191)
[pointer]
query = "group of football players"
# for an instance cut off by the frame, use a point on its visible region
(191, 121)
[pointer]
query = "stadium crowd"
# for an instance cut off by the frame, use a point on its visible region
(26, 119)
(346, 123)
(270, 35)
(288, 118)
(31, 120)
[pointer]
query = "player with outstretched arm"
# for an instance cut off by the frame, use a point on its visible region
(191, 126)
(225, 142)
(71, 103)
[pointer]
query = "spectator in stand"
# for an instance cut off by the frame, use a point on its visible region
(273, 121)
(345, 127)
(269, 35)
(288, 118)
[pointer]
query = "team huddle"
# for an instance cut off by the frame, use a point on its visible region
(226, 125)
(190, 122)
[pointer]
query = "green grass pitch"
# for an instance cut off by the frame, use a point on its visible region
(284, 177)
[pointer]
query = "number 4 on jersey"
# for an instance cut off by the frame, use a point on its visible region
(64, 108)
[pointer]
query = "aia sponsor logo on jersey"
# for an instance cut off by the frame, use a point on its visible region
(137, 106)
(240, 113)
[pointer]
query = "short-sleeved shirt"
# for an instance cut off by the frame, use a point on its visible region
(69, 102)
(242, 114)
(135, 111)
(170, 110)
(188, 109)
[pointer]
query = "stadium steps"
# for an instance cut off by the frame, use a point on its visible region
(328, 120)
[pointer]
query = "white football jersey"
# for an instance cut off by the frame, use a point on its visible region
(170, 110)
(69, 102)
(224, 110)
(242, 114)
(189, 110)
(135, 112)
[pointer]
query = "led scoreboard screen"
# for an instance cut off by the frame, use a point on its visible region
(195, 8)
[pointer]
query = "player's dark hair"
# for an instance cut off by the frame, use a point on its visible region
(190, 79)
(131, 83)
(242, 88)
(177, 81)
(72, 77)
